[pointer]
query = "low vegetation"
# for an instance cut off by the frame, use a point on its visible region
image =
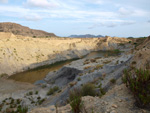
(72, 84)
(98, 67)
(88, 90)
(3, 75)
(52, 90)
(76, 101)
(75, 96)
(138, 81)
(117, 51)
(102, 91)
(113, 81)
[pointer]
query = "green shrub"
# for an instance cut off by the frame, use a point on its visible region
(30, 93)
(88, 90)
(113, 81)
(98, 67)
(79, 79)
(12, 101)
(41, 101)
(134, 62)
(102, 91)
(139, 83)
(3, 75)
(116, 51)
(18, 101)
(76, 101)
(129, 41)
(21, 109)
(56, 88)
(52, 90)
(36, 92)
(38, 98)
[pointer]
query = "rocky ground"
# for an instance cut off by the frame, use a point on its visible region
(117, 100)
(104, 73)
(62, 79)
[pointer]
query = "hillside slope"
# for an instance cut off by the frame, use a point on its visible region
(18, 29)
(18, 53)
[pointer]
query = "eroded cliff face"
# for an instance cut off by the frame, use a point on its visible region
(18, 53)
(141, 53)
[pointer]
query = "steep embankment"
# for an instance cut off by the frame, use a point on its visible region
(18, 53)
(142, 54)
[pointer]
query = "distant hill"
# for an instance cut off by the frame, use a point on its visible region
(18, 29)
(85, 36)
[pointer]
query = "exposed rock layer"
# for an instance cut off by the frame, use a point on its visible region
(18, 53)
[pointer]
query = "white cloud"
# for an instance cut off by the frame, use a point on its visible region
(131, 11)
(128, 22)
(112, 23)
(72, 11)
(32, 17)
(96, 1)
(19, 12)
(3, 1)
(125, 12)
(40, 3)
(104, 24)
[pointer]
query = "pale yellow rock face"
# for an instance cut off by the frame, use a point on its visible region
(18, 53)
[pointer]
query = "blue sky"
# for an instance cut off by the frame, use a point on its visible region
(121, 18)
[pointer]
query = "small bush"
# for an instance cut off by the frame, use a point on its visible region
(139, 83)
(79, 79)
(18, 101)
(134, 62)
(41, 101)
(56, 88)
(72, 84)
(116, 51)
(113, 81)
(36, 92)
(21, 109)
(12, 101)
(75, 96)
(50, 92)
(93, 60)
(86, 62)
(88, 90)
(30, 93)
(98, 67)
(3, 75)
(102, 91)
(38, 98)
(53, 90)
(87, 67)
(106, 62)
(76, 101)
(129, 41)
